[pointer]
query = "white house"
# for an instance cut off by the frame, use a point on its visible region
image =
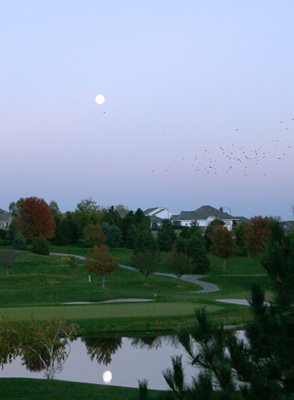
(203, 216)
(5, 219)
(157, 214)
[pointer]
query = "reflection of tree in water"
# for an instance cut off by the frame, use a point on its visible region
(32, 361)
(101, 348)
(153, 341)
(9, 345)
(42, 345)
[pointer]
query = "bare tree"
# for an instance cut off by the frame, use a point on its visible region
(7, 258)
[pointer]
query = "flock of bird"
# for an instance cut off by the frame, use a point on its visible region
(245, 159)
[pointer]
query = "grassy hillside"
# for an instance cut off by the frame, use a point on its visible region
(40, 285)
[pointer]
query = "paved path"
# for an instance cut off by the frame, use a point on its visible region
(67, 255)
(110, 301)
(207, 287)
(240, 302)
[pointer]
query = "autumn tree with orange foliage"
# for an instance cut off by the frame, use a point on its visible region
(100, 262)
(256, 234)
(34, 218)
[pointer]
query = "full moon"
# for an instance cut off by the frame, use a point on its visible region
(99, 99)
(107, 376)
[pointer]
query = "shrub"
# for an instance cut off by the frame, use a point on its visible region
(3, 233)
(5, 242)
(41, 246)
(19, 242)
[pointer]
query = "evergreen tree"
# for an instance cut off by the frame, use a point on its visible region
(41, 246)
(139, 216)
(68, 232)
(166, 236)
(113, 235)
(197, 251)
(19, 242)
(126, 223)
(141, 221)
(132, 237)
(188, 232)
(146, 242)
(57, 215)
(240, 238)
(111, 217)
(261, 369)
(193, 246)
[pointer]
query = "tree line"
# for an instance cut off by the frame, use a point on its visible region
(100, 228)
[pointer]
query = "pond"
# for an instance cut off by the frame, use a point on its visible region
(127, 360)
(118, 361)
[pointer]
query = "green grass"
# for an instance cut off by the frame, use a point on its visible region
(36, 389)
(103, 311)
(47, 280)
(75, 250)
(40, 285)
(122, 255)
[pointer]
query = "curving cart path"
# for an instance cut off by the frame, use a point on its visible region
(207, 287)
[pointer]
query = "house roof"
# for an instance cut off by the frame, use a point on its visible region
(288, 225)
(149, 210)
(242, 219)
(185, 216)
(156, 210)
(203, 212)
(4, 215)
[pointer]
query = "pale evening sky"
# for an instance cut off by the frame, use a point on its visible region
(199, 103)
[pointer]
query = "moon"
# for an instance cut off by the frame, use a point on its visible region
(99, 99)
(107, 376)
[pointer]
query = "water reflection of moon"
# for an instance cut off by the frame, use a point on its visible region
(99, 99)
(107, 376)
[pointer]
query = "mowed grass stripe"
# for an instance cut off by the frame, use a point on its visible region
(105, 311)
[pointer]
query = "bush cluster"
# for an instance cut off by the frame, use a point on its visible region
(41, 246)
(19, 242)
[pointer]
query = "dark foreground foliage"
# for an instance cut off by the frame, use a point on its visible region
(258, 367)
